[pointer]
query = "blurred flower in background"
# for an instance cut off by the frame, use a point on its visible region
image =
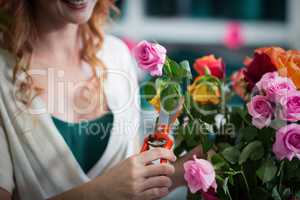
(234, 38)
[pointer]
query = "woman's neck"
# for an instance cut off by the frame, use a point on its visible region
(57, 40)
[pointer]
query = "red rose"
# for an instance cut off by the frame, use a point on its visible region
(216, 67)
(264, 61)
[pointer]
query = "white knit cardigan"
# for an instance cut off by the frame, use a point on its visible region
(35, 161)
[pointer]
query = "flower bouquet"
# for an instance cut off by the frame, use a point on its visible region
(253, 150)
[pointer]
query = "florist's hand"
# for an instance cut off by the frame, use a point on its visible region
(135, 178)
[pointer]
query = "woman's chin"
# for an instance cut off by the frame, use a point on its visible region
(77, 14)
(77, 19)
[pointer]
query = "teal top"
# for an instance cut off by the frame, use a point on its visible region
(87, 139)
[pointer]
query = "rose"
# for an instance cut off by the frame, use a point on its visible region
(275, 86)
(264, 61)
(265, 80)
(290, 107)
(261, 111)
(280, 87)
(239, 84)
(205, 91)
(150, 57)
(216, 67)
(289, 65)
(287, 144)
(200, 175)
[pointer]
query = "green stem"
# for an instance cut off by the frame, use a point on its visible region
(169, 67)
(281, 174)
(185, 108)
(246, 183)
(188, 112)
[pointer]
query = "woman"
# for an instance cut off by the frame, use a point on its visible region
(63, 84)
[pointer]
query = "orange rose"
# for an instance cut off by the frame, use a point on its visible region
(290, 66)
(215, 66)
(239, 84)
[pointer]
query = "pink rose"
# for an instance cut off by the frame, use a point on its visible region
(290, 107)
(275, 86)
(200, 175)
(287, 144)
(265, 80)
(261, 111)
(151, 57)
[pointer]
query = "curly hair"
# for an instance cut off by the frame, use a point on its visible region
(20, 33)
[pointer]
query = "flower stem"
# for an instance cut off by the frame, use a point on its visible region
(246, 183)
(168, 67)
(281, 174)
(188, 112)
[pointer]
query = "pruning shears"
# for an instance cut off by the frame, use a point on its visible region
(160, 137)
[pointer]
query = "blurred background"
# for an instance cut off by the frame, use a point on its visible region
(230, 29)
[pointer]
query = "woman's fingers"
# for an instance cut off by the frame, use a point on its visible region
(155, 193)
(157, 153)
(157, 182)
(158, 170)
(197, 151)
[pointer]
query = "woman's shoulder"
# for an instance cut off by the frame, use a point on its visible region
(115, 44)
(116, 54)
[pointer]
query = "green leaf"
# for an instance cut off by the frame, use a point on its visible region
(149, 90)
(179, 149)
(226, 188)
(222, 145)
(258, 153)
(186, 66)
(219, 162)
(267, 171)
(177, 71)
(254, 151)
(231, 154)
(275, 194)
(298, 194)
(207, 144)
(191, 142)
(248, 134)
(170, 97)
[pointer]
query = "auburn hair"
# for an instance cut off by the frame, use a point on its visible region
(19, 32)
